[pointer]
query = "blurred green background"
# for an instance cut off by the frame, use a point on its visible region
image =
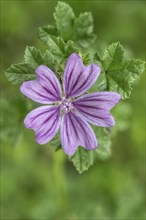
(37, 183)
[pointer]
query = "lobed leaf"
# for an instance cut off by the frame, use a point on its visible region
(113, 57)
(19, 73)
(119, 72)
(70, 48)
(45, 31)
(33, 57)
(98, 59)
(64, 17)
(55, 44)
(83, 30)
(69, 27)
(82, 159)
(54, 58)
(86, 58)
(50, 61)
(85, 20)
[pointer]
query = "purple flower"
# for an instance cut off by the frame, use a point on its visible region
(69, 113)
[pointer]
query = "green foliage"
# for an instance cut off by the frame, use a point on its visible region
(82, 159)
(119, 72)
(70, 48)
(33, 57)
(113, 57)
(56, 45)
(83, 30)
(50, 61)
(19, 73)
(58, 49)
(44, 33)
(86, 58)
(69, 27)
(54, 58)
(64, 17)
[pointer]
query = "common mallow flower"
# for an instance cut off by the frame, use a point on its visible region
(71, 110)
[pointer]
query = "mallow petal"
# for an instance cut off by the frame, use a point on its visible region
(76, 132)
(78, 78)
(45, 121)
(95, 107)
(45, 89)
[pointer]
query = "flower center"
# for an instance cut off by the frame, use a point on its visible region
(67, 105)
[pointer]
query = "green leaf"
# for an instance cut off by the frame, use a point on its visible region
(86, 42)
(70, 48)
(45, 31)
(19, 73)
(85, 20)
(86, 58)
(119, 72)
(113, 57)
(64, 17)
(50, 61)
(79, 30)
(120, 80)
(82, 159)
(98, 59)
(104, 143)
(55, 44)
(33, 57)
(83, 29)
